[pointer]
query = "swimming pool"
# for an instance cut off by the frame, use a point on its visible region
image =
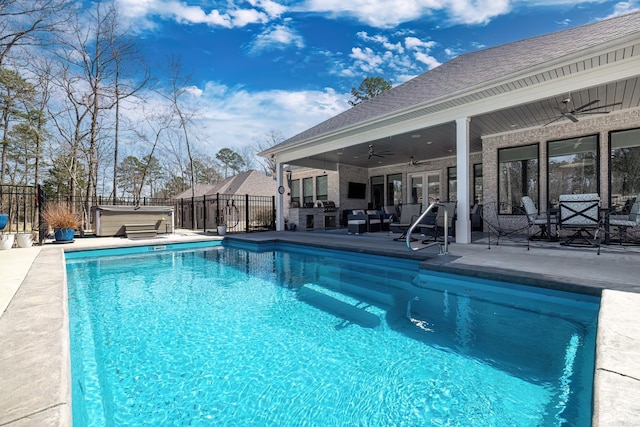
(296, 336)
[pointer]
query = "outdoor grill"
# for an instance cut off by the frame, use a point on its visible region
(327, 205)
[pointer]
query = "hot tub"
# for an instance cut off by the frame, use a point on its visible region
(111, 220)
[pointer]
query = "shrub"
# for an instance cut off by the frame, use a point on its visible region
(59, 215)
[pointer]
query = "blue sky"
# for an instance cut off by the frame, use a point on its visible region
(285, 65)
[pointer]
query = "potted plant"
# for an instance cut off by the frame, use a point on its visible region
(24, 239)
(221, 225)
(63, 221)
(6, 240)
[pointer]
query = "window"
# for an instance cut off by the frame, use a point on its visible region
(421, 193)
(518, 170)
(394, 189)
(307, 192)
(377, 192)
(477, 183)
(416, 189)
(295, 191)
(624, 185)
(572, 167)
(452, 180)
(322, 188)
(433, 187)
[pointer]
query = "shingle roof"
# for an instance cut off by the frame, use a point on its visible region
(251, 182)
(200, 190)
(475, 68)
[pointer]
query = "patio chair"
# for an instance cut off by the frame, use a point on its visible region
(504, 221)
(357, 222)
(389, 215)
(435, 231)
(624, 223)
(374, 220)
(536, 220)
(408, 214)
(580, 213)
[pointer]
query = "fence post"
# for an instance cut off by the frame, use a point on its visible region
(42, 203)
(218, 209)
(204, 212)
(273, 212)
(246, 213)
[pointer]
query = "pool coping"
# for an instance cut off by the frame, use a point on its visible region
(41, 361)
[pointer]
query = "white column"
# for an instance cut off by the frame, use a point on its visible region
(463, 224)
(279, 198)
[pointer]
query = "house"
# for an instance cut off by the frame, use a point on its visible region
(553, 114)
(225, 201)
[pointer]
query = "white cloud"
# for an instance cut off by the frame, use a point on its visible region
(366, 60)
(380, 39)
(244, 17)
(390, 13)
(142, 12)
(235, 118)
(194, 91)
(388, 58)
(276, 37)
(625, 7)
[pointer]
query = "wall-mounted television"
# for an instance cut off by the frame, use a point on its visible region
(357, 190)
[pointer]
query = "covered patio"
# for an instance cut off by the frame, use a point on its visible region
(536, 117)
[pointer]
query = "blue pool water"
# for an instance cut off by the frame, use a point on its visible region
(226, 336)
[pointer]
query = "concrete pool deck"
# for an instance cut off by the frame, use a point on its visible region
(35, 386)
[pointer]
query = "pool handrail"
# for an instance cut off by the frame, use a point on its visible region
(444, 249)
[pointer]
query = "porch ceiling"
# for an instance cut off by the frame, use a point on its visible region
(440, 140)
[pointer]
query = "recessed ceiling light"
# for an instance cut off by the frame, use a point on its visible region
(514, 126)
(429, 142)
(416, 135)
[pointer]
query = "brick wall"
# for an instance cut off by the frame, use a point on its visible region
(566, 129)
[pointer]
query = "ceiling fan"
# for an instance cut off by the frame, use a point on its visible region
(583, 109)
(381, 154)
(412, 162)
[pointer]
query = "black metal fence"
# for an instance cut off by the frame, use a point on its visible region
(21, 203)
(238, 213)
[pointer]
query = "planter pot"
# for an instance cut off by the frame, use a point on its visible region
(64, 235)
(6, 241)
(25, 240)
(222, 230)
(3, 220)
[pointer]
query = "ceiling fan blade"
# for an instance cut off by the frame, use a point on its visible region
(571, 117)
(582, 107)
(597, 108)
(554, 120)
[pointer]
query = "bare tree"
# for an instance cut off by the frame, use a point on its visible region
(28, 23)
(271, 138)
(178, 90)
(128, 67)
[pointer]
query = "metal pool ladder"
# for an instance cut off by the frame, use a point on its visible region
(444, 248)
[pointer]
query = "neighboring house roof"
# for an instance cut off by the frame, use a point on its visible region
(471, 70)
(200, 190)
(251, 182)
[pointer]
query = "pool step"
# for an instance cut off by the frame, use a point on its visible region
(341, 305)
(140, 231)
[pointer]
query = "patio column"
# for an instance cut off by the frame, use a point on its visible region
(463, 223)
(279, 198)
